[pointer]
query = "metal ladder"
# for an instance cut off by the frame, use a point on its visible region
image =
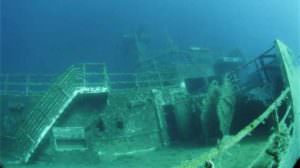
(44, 114)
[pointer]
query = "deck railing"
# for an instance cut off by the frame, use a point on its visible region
(283, 124)
(94, 74)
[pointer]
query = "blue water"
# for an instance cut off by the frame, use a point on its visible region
(49, 35)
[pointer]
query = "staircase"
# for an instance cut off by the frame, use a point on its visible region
(48, 109)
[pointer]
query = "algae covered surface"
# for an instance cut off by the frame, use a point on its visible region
(238, 156)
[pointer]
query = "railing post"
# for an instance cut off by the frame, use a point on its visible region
(27, 84)
(158, 73)
(136, 81)
(84, 74)
(160, 79)
(258, 70)
(105, 76)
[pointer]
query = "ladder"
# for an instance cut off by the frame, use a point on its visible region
(48, 109)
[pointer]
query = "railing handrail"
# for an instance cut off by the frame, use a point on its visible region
(225, 145)
(28, 83)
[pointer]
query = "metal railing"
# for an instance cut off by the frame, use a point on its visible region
(43, 115)
(25, 84)
(258, 66)
(246, 131)
(283, 124)
(92, 75)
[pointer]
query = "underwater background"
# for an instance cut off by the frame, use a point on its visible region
(47, 36)
(181, 81)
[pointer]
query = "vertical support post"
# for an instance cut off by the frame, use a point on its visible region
(258, 70)
(27, 85)
(136, 80)
(276, 118)
(158, 74)
(105, 76)
(160, 79)
(233, 76)
(263, 68)
(160, 117)
(84, 75)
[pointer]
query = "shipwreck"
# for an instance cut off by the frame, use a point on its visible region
(192, 97)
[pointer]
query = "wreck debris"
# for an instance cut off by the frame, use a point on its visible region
(292, 71)
(64, 136)
(219, 100)
(226, 105)
(182, 113)
(209, 164)
(149, 105)
(47, 111)
(208, 108)
(261, 94)
(161, 121)
(1, 165)
(16, 107)
(277, 144)
(230, 141)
